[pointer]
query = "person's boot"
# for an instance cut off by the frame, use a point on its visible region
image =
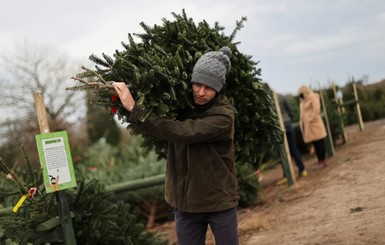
(302, 174)
(319, 165)
(281, 181)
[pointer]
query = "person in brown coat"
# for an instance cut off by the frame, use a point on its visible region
(311, 124)
(201, 183)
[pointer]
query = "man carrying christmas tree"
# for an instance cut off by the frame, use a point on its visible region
(201, 184)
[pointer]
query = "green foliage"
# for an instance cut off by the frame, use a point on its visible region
(122, 163)
(248, 186)
(99, 217)
(158, 71)
(115, 164)
(371, 98)
(335, 119)
(102, 219)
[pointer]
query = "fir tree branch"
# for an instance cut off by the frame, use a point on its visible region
(14, 177)
(96, 85)
(12, 193)
(96, 74)
(29, 167)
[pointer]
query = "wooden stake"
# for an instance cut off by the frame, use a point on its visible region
(329, 142)
(339, 112)
(63, 207)
(41, 113)
(358, 108)
(285, 152)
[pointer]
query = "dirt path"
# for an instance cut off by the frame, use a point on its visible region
(341, 204)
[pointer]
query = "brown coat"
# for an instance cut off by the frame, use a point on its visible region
(200, 175)
(311, 124)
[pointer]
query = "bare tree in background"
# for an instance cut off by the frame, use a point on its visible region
(30, 68)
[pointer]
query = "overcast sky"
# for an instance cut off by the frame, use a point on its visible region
(297, 42)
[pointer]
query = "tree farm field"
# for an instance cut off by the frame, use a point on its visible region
(341, 204)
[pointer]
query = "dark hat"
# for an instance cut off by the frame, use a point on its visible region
(212, 67)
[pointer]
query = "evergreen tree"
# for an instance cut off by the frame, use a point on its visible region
(158, 71)
(99, 218)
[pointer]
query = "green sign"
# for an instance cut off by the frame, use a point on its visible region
(56, 161)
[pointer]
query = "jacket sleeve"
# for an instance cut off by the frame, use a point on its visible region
(315, 108)
(211, 128)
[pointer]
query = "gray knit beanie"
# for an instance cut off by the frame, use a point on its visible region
(212, 67)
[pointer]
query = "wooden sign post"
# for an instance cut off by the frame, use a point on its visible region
(63, 207)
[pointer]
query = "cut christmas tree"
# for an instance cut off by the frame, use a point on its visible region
(158, 68)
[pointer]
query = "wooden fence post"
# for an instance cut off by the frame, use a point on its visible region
(63, 207)
(340, 110)
(358, 108)
(284, 147)
(329, 140)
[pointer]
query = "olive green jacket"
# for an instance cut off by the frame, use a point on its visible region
(200, 173)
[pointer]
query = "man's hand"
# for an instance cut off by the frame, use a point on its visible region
(124, 94)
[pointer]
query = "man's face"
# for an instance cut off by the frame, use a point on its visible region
(203, 94)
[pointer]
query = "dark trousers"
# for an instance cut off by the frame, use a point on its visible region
(294, 152)
(191, 228)
(320, 149)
